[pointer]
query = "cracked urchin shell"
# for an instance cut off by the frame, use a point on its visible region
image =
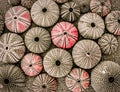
(64, 35)
(101, 7)
(57, 62)
(108, 43)
(78, 80)
(83, 4)
(37, 40)
(86, 54)
(106, 77)
(60, 1)
(91, 26)
(113, 22)
(44, 83)
(1, 24)
(12, 48)
(12, 79)
(45, 13)
(17, 19)
(31, 64)
(14, 2)
(28, 3)
(70, 11)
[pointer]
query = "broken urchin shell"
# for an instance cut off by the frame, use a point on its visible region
(108, 43)
(86, 54)
(44, 83)
(12, 48)
(60, 1)
(37, 40)
(64, 35)
(31, 64)
(14, 2)
(17, 19)
(78, 80)
(45, 13)
(106, 77)
(91, 26)
(1, 24)
(57, 62)
(113, 22)
(12, 79)
(101, 7)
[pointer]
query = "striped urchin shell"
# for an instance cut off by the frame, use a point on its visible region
(31, 64)
(83, 4)
(64, 35)
(17, 19)
(106, 77)
(108, 43)
(1, 24)
(14, 2)
(12, 48)
(44, 83)
(70, 11)
(57, 62)
(101, 7)
(78, 80)
(37, 40)
(60, 1)
(86, 54)
(45, 13)
(12, 79)
(91, 26)
(28, 3)
(113, 22)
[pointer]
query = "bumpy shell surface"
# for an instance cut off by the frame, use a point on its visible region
(60, 1)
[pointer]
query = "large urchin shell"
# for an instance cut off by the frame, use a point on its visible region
(106, 77)
(57, 62)
(37, 40)
(12, 79)
(86, 54)
(44, 83)
(12, 48)
(91, 26)
(108, 43)
(45, 13)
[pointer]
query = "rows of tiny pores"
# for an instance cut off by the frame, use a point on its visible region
(63, 35)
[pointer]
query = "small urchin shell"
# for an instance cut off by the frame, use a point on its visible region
(1, 24)
(70, 11)
(45, 13)
(64, 35)
(91, 26)
(113, 22)
(108, 43)
(57, 62)
(14, 2)
(44, 83)
(31, 64)
(106, 77)
(12, 48)
(37, 40)
(86, 54)
(60, 1)
(17, 19)
(78, 80)
(12, 79)
(101, 7)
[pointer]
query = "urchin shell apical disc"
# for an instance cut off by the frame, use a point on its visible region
(31, 64)
(64, 35)
(101, 7)
(113, 22)
(78, 80)
(12, 48)
(86, 54)
(60, 1)
(70, 11)
(37, 40)
(108, 43)
(106, 77)
(17, 19)
(44, 83)
(12, 79)
(57, 62)
(45, 13)
(1, 24)
(91, 26)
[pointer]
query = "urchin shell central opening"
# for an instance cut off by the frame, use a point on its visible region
(78, 81)
(119, 21)
(71, 9)
(102, 3)
(15, 17)
(44, 86)
(6, 48)
(65, 33)
(36, 39)
(111, 79)
(58, 63)
(92, 24)
(30, 65)
(6, 81)
(44, 9)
